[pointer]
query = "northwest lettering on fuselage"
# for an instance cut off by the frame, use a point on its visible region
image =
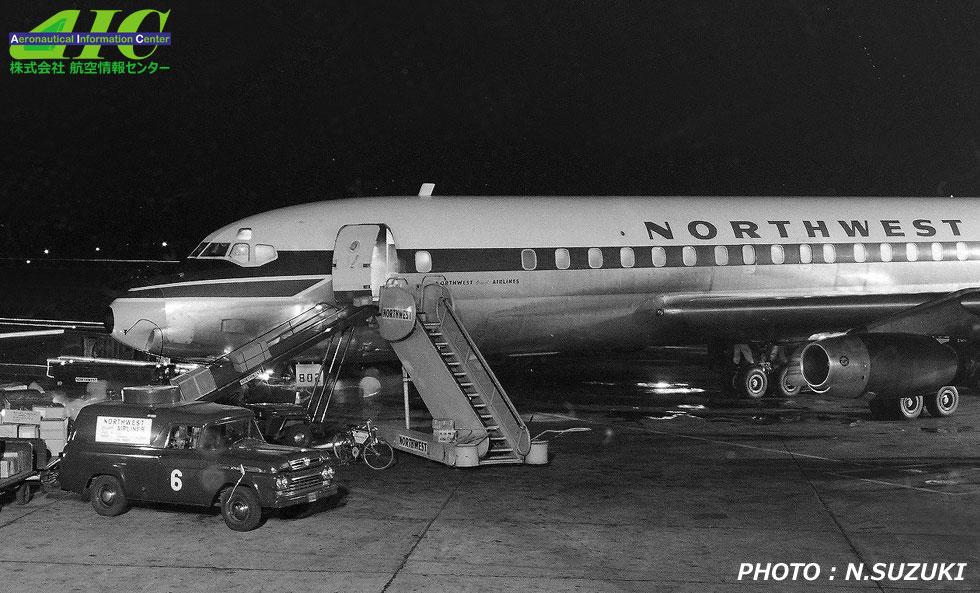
(746, 229)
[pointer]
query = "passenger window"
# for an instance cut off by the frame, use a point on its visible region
(806, 254)
(240, 252)
(689, 255)
(423, 262)
(860, 254)
(829, 253)
(265, 254)
(886, 251)
(659, 255)
(777, 254)
(962, 253)
(595, 257)
(911, 252)
(748, 254)
(937, 252)
(529, 259)
(562, 259)
(627, 258)
(721, 255)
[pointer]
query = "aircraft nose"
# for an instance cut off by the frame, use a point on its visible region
(137, 323)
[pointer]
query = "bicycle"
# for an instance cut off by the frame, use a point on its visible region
(362, 441)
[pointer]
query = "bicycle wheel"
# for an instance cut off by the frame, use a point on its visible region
(341, 448)
(378, 455)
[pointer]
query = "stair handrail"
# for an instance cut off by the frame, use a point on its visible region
(294, 325)
(444, 303)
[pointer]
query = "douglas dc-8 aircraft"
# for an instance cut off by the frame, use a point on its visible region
(872, 297)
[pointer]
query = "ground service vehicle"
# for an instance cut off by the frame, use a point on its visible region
(199, 453)
(284, 424)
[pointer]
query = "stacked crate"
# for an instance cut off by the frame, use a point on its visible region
(53, 428)
(17, 457)
(43, 422)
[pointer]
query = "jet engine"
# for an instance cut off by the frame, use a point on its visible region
(890, 365)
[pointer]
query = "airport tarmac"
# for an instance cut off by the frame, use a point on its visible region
(668, 491)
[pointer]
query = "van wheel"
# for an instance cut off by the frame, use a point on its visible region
(944, 402)
(240, 508)
(108, 498)
(24, 494)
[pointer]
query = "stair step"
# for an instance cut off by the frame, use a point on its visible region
(502, 450)
(500, 461)
(498, 438)
(478, 405)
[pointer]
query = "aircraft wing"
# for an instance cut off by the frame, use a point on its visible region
(956, 315)
(794, 318)
(15, 327)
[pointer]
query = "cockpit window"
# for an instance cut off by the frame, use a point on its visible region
(240, 252)
(215, 250)
(197, 250)
(264, 254)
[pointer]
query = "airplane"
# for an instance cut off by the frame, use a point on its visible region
(851, 297)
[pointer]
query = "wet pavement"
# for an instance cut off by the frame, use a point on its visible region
(669, 491)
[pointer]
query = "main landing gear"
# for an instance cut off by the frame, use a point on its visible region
(940, 404)
(756, 371)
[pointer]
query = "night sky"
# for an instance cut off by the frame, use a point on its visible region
(275, 103)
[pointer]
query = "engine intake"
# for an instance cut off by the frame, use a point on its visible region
(890, 365)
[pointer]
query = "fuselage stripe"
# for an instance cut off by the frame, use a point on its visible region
(585, 258)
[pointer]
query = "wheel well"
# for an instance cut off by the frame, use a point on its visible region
(216, 499)
(92, 478)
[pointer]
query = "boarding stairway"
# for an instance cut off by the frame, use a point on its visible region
(454, 380)
(224, 375)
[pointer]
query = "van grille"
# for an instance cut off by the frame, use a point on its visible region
(298, 485)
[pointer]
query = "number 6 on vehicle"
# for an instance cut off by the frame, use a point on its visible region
(175, 482)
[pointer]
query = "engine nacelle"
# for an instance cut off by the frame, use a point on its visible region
(890, 365)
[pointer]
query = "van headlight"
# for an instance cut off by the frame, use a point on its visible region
(282, 482)
(327, 473)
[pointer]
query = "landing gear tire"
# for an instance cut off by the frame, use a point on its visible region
(108, 498)
(753, 382)
(909, 408)
(240, 508)
(785, 388)
(944, 402)
(905, 408)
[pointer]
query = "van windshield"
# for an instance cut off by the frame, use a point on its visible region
(226, 434)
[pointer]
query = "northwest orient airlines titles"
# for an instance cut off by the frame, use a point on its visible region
(746, 229)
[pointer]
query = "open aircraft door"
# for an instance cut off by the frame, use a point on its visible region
(363, 258)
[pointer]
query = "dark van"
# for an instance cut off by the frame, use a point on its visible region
(198, 453)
